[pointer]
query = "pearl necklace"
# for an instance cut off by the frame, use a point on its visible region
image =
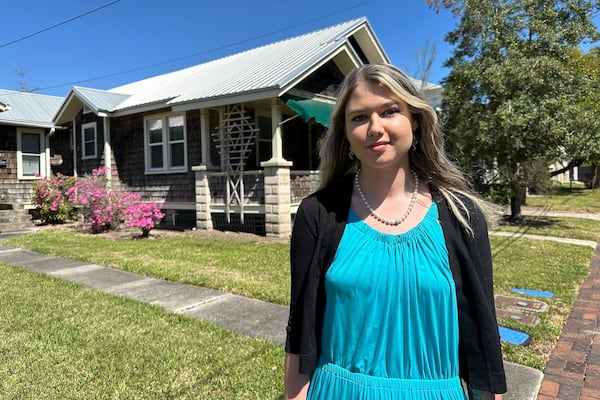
(392, 222)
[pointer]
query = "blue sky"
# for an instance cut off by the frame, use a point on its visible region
(129, 40)
(133, 34)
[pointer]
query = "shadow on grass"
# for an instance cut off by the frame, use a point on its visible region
(526, 222)
(524, 225)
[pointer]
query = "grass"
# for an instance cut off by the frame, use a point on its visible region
(542, 265)
(255, 269)
(60, 341)
(583, 200)
(566, 227)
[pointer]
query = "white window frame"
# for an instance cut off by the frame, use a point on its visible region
(20, 153)
(85, 156)
(166, 145)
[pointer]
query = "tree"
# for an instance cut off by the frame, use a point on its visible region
(584, 146)
(425, 57)
(513, 91)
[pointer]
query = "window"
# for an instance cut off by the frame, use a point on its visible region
(31, 160)
(165, 143)
(88, 140)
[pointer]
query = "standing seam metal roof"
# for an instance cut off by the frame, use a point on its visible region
(100, 100)
(29, 109)
(270, 66)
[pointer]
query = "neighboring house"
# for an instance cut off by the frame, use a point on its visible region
(26, 131)
(229, 144)
(578, 174)
(432, 92)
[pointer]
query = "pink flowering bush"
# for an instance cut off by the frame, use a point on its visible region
(105, 209)
(51, 199)
(144, 216)
(97, 202)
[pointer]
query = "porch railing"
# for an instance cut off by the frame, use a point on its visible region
(302, 183)
(253, 187)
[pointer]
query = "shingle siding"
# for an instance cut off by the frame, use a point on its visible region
(127, 136)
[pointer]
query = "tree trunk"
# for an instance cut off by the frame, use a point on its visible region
(516, 200)
(595, 176)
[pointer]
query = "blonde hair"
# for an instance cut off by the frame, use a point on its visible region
(428, 159)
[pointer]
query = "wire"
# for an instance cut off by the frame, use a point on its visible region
(59, 24)
(207, 51)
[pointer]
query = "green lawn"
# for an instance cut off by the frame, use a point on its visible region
(583, 200)
(60, 341)
(541, 265)
(566, 227)
(256, 269)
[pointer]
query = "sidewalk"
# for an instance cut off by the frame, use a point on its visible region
(251, 317)
(573, 370)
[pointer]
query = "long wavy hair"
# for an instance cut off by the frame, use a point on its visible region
(428, 159)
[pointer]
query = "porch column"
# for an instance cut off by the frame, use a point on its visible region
(205, 136)
(203, 217)
(74, 124)
(276, 136)
(107, 147)
(278, 219)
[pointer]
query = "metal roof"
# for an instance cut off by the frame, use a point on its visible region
(99, 100)
(29, 109)
(270, 67)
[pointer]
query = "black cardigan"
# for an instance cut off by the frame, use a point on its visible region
(318, 228)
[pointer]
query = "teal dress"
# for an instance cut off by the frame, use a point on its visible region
(390, 329)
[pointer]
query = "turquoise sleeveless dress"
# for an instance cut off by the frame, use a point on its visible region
(390, 329)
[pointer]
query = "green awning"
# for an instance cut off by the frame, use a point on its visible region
(308, 109)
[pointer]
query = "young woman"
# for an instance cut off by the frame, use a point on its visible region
(392, 293)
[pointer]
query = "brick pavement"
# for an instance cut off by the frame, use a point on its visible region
(573, 370)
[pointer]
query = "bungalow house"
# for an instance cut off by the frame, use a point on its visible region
(26, 132)
(229, 144)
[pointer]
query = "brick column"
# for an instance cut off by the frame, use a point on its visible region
(203, 217)
(278, 220)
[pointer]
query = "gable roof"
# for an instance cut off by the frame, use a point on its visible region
(260, 73)
(28, 109)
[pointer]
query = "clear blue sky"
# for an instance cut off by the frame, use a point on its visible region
(152, 37)
(132, 34)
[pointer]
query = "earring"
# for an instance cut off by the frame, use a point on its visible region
(350, 154)
(414, 144)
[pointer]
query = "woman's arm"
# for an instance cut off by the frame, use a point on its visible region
(296, 384)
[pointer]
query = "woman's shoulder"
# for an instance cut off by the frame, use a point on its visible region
(331, 195)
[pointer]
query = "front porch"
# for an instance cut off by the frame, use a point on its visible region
(262, 201)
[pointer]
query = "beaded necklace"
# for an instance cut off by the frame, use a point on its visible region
(392, 222)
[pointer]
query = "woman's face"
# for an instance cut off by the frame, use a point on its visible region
(379, 127)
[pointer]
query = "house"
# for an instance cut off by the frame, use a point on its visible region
(26, 131)
(229, 144)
